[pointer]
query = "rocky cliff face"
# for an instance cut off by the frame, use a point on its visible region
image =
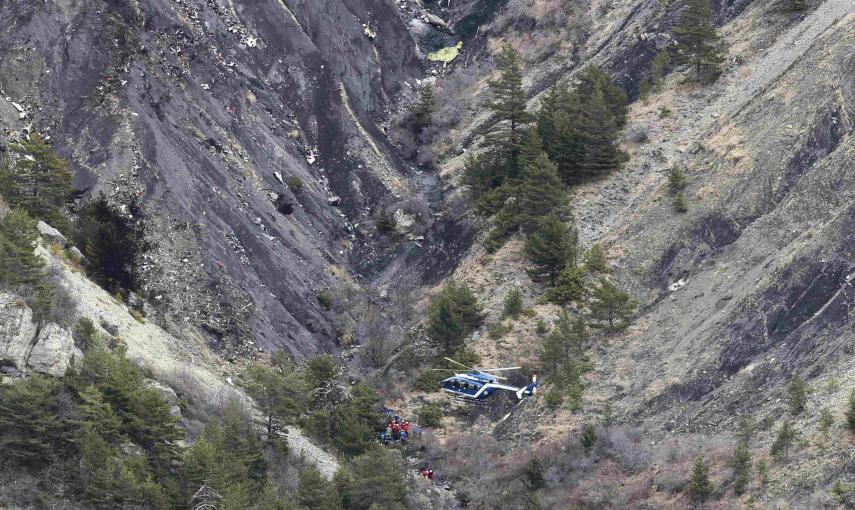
(253, 131)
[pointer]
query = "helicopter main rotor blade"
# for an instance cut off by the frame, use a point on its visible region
(458, 363)
(497, 369)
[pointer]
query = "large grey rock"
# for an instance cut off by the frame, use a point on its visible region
(51, 234)
(165, 392)
(54, 351)
(16, 333)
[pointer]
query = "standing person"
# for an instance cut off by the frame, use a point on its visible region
(405, 427)
(396, 431)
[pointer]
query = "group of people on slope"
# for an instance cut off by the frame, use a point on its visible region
(398, 429)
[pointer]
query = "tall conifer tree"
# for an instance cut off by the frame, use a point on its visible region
(699, 45)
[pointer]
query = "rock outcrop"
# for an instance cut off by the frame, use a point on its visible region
(25, 348)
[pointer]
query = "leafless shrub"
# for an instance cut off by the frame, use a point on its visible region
(636, 133)
(625, 446)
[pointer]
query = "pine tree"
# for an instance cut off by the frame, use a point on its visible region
(797, 392)
(278, 392)
(532, 148)
(113, 239)
(31, 431)
(746, 429)
(315, 492)
(554, 101)
(659, 69)
(596, 134)
(421, 113)
(596, 259)
(98, 467)
(850, 412)
(352, 435)
(564, 343)
(465, 303)
(644, 89)
(35, 180)
(741, 465)
(611, 307)
(700, 485)
(588, 437)
(550, 248)
(568, 287)
(378, 480)
(593, 78)
(533, 474)
(445, 326)
(19, 265)
(508, 105)
(783, 441)
(699, 45)
(680, 203)
(541, 193)
(513, 305)
(98, 415)
(676, 179)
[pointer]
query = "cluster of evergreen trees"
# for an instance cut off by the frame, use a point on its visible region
(85, 423)
(575, 130)
(36, 184)
(117, 445)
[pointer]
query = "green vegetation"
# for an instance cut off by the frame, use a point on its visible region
(421, 112)
(588, 437)
(533, 474)
(797, 395)
(782, 442)
(568, 287)
(550, 248)
(741, 465)
(21, 270)
(850, 412)
(294, 183)
(34, 180)
(596, 260)
(676, 180)
(611, 308)
(700, 485)
(513, 305)
(430, 415)
(324, 299)
(113, 238)
(563, 356)
(680, 203)
(659, 69)
(279, 393)
(452, 316)
(699, 45)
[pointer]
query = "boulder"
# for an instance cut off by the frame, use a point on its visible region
(51, 234)
(404, 221)
(76, 255)
(167, 393)
(54, 351)
(17, 331)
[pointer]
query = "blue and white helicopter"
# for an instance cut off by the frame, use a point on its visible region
(477, 384)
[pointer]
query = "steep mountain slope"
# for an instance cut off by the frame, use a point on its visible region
(748, 289)
(218, 114)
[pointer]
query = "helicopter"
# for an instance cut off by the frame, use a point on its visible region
(477, 384)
